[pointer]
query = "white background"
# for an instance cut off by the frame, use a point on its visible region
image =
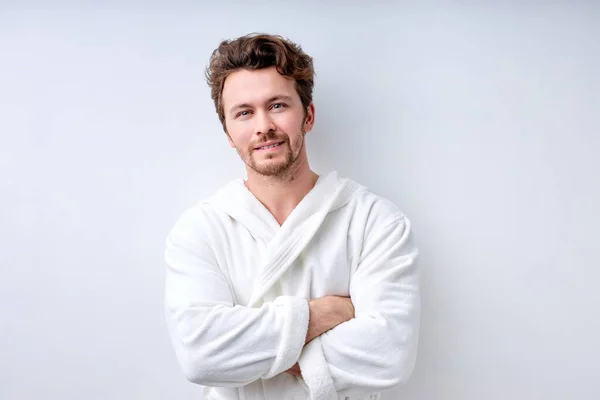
(479, 119)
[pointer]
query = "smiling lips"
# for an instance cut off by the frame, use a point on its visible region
(270, 146)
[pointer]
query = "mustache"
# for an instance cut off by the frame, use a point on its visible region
(268, 137)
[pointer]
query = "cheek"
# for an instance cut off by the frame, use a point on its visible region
(292, 126)
(239, 135)
(294, 130)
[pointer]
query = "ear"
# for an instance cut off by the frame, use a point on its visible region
(309, 120)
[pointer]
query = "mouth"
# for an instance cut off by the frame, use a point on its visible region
(270, 146)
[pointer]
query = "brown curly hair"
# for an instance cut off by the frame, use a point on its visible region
(256, 51)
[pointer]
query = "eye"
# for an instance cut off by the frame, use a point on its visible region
(242, 113)
(278, 106)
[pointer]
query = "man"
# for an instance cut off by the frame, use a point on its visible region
(287, 285)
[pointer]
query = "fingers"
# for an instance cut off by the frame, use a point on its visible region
(295, 370)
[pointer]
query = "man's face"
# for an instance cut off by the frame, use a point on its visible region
(265, 120)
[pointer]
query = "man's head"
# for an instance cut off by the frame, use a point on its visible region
(262, 88)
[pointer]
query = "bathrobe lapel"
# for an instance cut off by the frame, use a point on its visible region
(298, 230)
(285, 242)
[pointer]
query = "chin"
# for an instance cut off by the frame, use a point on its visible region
(271, 169)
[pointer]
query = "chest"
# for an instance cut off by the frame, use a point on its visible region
(323, 267)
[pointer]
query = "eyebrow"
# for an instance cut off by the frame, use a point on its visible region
(270, 100)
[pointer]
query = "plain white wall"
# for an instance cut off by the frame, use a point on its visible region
(480, 120)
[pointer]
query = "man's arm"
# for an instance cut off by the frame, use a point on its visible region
(216, 342)
(325, 313)
(376, 350)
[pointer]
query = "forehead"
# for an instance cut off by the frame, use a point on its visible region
(256, 86)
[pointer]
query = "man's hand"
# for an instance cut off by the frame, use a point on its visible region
(326, 313)
(295, 370)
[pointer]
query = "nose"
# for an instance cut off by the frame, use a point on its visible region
(263, 123)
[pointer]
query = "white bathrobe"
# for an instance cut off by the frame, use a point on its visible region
(237, 286)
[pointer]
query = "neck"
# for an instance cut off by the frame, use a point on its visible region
(281, 194)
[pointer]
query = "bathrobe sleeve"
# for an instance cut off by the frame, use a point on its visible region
(377, 349)
(216, 342)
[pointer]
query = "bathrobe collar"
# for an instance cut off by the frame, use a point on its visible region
(330, 191)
